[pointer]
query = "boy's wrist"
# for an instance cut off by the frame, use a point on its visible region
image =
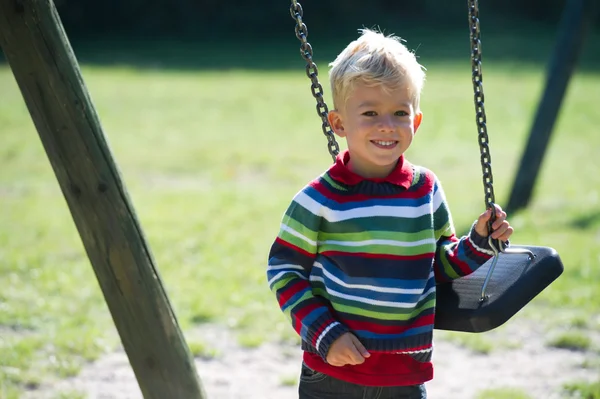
(330, 335)
(480, 242)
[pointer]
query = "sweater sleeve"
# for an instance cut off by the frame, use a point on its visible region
(290, 262)
(454, 257)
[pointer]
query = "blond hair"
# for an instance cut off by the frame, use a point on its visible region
(375, 59)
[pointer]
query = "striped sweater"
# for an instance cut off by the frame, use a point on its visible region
(363, 256)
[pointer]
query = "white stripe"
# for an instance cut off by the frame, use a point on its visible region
(376, 210)
(438, 198)
(404, 305)
(485, 251)
(278, 276)
(293, 232)
(364, 212)
(364, 286)
(432, 289)
(420, 351)
(286, 266)
(308, 203)
(393, 243)
(325, 332)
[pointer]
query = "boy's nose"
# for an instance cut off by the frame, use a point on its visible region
(386, 124)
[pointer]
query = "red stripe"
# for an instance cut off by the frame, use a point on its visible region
(381, 369)
(298, 286)
(455, 260)
(422, 191)
(295, 248)
(301, 313)
(427, 255)
(453, 257)
(382, 329)
(482, 255)
(322, 328)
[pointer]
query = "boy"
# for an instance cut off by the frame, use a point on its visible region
(361, 247)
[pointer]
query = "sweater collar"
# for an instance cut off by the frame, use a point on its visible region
(401, 175)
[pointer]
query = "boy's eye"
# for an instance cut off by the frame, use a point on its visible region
(370, 113)
(401, 113)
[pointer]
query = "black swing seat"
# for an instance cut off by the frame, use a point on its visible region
(516, 279)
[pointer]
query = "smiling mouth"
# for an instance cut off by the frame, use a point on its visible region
(384, 143)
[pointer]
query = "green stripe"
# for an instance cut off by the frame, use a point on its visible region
(288, 310)
(443, 223)
(303, 216)
(416, 177)
(448, 269)
(377, 235)
(292, 239)
(282, 281)
(380, 249)
(333, 183)
(378, 223)
(382, 310)
(364, 310)
(301, 228)
(442, 214)
(444, 231)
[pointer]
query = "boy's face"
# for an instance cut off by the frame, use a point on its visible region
(379, 126)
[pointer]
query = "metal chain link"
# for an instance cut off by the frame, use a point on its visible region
(313, 73)
(486, 159)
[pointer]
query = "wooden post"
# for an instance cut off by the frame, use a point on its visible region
(575, 22)
(45, 68)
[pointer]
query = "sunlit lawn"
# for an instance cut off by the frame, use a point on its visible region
(211, 160)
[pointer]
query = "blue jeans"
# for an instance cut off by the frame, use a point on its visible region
(315, 385)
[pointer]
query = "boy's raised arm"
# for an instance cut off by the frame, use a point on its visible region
(455, 257)
(288, 273)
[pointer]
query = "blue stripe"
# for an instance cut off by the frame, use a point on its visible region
(463, 256)
(309, 320)
(376, 295)
(293, 299)
(436, 186)
(430, 284)
(395, 202)
(407, 333)
(356, 270)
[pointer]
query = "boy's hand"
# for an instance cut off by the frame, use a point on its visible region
(502, 230)
(347, 349)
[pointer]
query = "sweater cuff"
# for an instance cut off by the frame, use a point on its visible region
(323, 332)
(481, 243)
(328, 337)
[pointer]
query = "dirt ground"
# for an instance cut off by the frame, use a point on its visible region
(459, 372)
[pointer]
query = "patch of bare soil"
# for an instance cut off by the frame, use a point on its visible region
(270, 371)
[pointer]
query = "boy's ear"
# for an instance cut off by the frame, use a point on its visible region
(417, 120)
(336, 123)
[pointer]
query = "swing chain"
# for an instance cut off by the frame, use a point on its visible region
(486, 158)
(313, 74)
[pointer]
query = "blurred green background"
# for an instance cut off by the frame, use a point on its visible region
(210, 118)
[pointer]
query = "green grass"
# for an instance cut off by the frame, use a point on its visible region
(289, 381)
(70, 395)
(478, 343)
(584, 390)
(211, 160)
(573, 340)
(201, 349)
(503, 393)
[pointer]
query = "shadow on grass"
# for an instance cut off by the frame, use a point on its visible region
(527, 46)
(587, 221)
